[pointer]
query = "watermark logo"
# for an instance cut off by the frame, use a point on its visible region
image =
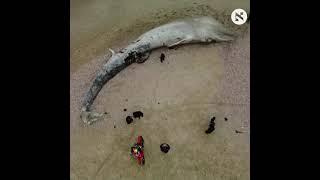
(239, 16)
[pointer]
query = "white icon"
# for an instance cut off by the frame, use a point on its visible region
(239, 16)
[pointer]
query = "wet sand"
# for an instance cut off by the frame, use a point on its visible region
(178, 97)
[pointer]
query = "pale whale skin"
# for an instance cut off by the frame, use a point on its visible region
(191, 30)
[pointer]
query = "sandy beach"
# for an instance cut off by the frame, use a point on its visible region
(98, 25)
(178, 97)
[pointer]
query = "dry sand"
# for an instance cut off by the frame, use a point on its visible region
(178, 97)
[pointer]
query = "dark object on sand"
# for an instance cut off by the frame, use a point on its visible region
(212, 120)
(164, 147)
(114, 126)
(162, 56)
(210, 130)
(137, 114)
(137, 150)
(226, 119)
(211, 126)
(105, 113)
(129, 119)
(238, 131)
(124, 109)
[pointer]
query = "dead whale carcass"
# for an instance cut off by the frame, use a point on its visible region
(190, 30)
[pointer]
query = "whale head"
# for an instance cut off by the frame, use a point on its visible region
(210, 30)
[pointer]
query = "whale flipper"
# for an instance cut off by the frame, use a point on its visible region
(112, 51)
